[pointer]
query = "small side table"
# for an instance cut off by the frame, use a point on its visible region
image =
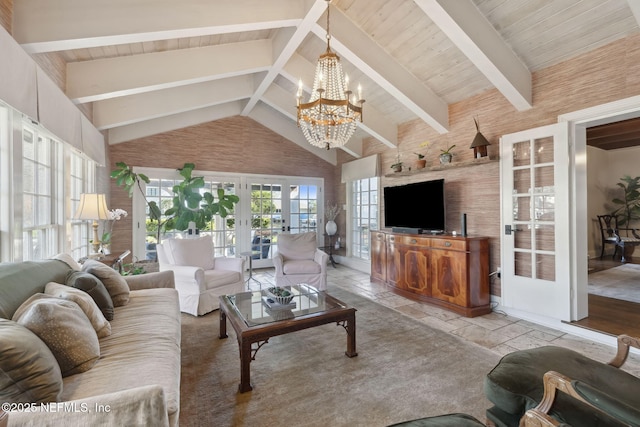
(249, 255)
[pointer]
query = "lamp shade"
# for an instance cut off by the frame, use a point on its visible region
(92, 206)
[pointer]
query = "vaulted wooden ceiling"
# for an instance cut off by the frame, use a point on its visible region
(149, 66)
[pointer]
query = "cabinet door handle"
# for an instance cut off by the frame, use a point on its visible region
(414, 241)
(447, 244)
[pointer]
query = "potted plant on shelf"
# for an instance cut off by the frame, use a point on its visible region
(446, 155)
(397, 166)
(421, 163)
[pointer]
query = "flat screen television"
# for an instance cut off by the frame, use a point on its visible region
(416, 205)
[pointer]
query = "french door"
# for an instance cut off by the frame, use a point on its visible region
(269, 205)
(281, 206)
(536, 254)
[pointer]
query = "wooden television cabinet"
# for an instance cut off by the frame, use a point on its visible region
(449, 271)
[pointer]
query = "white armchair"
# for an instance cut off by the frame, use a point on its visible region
(199, 276)
(298, 260)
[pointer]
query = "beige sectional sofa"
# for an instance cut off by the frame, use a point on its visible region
(134, 381)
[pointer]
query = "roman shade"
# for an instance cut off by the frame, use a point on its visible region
(28, 89)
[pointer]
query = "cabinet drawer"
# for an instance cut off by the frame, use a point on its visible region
(409, 240)
(456, 245)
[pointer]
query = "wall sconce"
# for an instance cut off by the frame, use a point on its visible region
(93, 207)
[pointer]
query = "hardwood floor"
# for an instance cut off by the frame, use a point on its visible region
(612, 316)
(608, 315)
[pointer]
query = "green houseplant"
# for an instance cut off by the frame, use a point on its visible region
(446, 155)
(189, 203)
(629, 205)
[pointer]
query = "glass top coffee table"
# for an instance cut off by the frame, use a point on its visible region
(254, 321)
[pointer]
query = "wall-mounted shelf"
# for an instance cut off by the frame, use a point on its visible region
(468, 163)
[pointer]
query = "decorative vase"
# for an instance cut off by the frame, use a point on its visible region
(445, 158)
(106, 248)
(420, 164)
(331, 228)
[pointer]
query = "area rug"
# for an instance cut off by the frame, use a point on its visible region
(622, 282)
(404, 370)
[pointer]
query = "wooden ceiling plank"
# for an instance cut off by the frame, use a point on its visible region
(635, 9)
(125, 110)
(470, 31)
(285, 44)
(45, 26)
(91, 81)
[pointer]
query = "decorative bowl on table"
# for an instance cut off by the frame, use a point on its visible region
(280, 295)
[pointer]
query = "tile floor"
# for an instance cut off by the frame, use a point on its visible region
(495, 331)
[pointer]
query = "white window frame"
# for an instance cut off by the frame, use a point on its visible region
(357, 237)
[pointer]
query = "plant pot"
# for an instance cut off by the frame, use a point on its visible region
(420, 164)
(445, 158)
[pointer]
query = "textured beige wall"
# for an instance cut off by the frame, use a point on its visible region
(607, 74)
(237, 144)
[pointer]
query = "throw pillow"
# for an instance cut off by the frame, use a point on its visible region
(66, 258)
(297, 246)
(86, 303)
(28, 370)
(116, 285)
(94, 287)
(195, 252)
(64, 328)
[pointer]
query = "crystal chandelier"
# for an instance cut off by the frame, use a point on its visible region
(330, 117)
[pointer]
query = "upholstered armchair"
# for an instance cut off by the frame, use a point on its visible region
(199, 276)
(298, 260)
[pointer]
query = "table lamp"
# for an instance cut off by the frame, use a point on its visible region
(93, 207)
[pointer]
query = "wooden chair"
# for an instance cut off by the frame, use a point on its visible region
(610, 233)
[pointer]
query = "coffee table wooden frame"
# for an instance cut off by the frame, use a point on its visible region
(259, 334)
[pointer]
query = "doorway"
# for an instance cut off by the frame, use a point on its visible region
(606, 316)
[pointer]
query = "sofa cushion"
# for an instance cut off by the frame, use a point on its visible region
(20, 280)
(301, 266)
(194, 252)
(217, 278)
(515, 384)
(297, 246)
(112, 280)
(143, 349)
(86, 303)
(94, 287)
(28, 370)
(449, 420)
(67, 259)
(64, 328)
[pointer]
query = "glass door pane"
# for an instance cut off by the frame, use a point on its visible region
(534, 209)
(303, 202)
(267, 218)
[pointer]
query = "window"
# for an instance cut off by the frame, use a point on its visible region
(41, 184)
(221, 230)
(41, 179)
(363, 216)
(82, 175)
